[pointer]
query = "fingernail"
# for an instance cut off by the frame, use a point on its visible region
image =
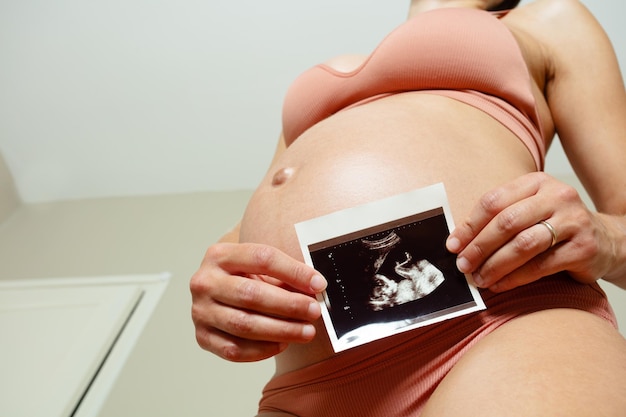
(318, 283)
(463, 265)
(314, 310)
(308, 331)
(453, 244)
(478, 280)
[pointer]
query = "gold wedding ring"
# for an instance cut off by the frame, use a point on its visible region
(552, 232)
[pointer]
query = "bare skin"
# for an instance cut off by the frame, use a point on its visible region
(253, 300)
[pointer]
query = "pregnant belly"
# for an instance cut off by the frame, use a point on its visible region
(386, 147)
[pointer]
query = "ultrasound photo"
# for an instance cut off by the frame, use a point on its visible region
(388, 271)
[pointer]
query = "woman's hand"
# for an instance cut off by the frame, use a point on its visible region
(250, 302)
(504, 243)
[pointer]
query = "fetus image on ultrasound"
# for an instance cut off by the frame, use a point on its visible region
(397, 277)
(386, 277)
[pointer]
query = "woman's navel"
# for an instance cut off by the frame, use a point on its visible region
(282, 176)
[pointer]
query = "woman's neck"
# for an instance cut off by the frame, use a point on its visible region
(420, 6)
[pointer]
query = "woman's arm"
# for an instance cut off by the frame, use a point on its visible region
(588, 102)
(502, 243)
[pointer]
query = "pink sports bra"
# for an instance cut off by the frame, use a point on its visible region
(465, 54)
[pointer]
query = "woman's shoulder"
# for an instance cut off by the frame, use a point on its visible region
(558, 31)
(554, 18)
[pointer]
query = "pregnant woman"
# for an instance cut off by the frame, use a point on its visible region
(468, 93)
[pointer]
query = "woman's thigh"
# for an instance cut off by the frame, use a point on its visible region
(551, 363)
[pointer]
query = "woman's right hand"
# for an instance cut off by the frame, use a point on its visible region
(251, 300)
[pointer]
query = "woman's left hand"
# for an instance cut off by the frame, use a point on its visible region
(530, 228)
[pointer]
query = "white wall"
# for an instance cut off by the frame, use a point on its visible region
(167, 374)
(9, 199)
(134, 97)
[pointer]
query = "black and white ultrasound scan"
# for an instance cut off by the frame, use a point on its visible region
(387, 267)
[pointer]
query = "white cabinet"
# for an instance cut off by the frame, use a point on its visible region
(63, 341)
